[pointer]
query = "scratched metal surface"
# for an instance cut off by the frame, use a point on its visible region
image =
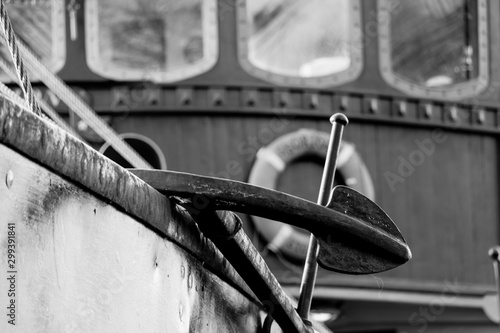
(58, 151)
(84, 266)
(84, 262)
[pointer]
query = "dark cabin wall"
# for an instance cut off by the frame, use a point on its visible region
(447, 208)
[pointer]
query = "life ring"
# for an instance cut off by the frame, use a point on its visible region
(272, 160)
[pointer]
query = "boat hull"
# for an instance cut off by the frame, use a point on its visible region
(77, 260)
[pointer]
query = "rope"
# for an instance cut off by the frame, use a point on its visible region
(13, 97)
(68, 96)
(54, 83)
(18, 61)
(56, 118)
(16, 99)
(78, 106)
(47, 109)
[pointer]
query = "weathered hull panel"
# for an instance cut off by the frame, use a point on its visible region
(80, 263)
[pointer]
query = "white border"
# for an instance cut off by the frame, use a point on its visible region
(348, 75)
(210, 49)
(454, 92)
(58, 54)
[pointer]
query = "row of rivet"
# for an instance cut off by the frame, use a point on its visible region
(453, 113)
(282, 99)
(427, 110)
(217, 97)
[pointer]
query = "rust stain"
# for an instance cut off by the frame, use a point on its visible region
(55, 194)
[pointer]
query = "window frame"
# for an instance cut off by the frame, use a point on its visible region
(456, 91)
(59, 55)
(335, 79)
(210, 28)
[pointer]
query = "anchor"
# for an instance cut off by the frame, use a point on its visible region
(351, 233)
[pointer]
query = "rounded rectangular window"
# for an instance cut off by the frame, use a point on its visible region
(157, 40)
(434, 48)
(302, 42)
(40, 25)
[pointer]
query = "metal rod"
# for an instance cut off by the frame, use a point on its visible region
(338, 121)
(494, 254)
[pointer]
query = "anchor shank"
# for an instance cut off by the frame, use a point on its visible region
(338, 121)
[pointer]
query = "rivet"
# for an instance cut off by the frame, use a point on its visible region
(428, 110)
(185, 96)
(217, 97)
(251, 98)
(154, 96)
(481, 116)
(453, 114)
(373, 105)
(284, 99)
(344, 103)
(9, 179)
(314, 101)
(402, 109)
(183, 271)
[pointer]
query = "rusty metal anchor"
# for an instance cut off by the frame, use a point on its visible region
(355, 236)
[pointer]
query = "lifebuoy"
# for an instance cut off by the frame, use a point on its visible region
(272, 160)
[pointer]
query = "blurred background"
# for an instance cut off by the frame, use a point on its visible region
(244, 89)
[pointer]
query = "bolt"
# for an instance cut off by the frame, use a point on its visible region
(9, 179)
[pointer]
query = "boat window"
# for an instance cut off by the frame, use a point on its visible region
(41, 25)
(300, 42)
(435, 48)
(154, 40)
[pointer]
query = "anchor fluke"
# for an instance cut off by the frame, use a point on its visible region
(350, 252)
